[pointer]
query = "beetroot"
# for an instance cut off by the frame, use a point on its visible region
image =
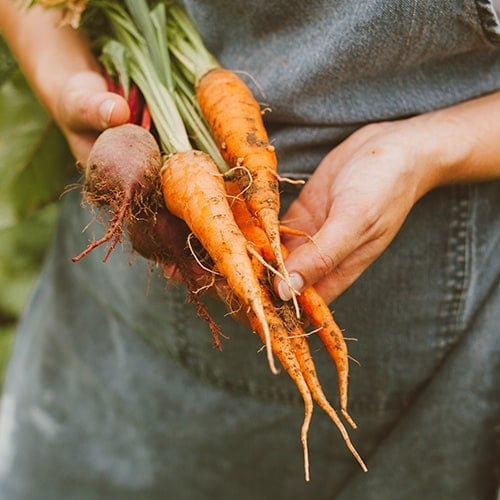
(122, 173)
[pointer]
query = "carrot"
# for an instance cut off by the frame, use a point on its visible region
(194, 191)
(317, 312)
(308, 368)
(285, 353)
(289, 343)
(121, 173)
(235, 118)
(247, 223)
(280, 341)
(321, 318)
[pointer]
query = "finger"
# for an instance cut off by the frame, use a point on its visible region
(313, 260)
(344, 245)
(302, 219)
(337, 255)
(348, 271)
(86, 104)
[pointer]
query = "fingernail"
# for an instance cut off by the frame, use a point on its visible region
(105, 111)
(284, 290)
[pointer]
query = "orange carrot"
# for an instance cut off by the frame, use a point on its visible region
(321, 318)
(285, 353)
(194, 191)
(307, 367)
(235, 119)
(280, 341)
(247, 223)
(311, 303)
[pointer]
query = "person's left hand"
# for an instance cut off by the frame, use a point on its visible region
(355, 203)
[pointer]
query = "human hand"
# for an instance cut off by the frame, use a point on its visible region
(359, 196)
(355, 203)
(84, 108)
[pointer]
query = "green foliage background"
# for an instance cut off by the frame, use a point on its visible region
(34, 167)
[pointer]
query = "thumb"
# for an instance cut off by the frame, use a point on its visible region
(318, 257)
(335, 257)
(85, 104)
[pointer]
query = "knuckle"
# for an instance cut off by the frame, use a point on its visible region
(324, 262)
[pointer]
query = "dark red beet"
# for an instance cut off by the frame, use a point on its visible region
(162, 238)
(124, 163)
(122, 173)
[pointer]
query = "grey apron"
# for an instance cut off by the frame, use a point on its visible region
(115, 391)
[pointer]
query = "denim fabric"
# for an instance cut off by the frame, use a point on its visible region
(327, 67)
(115, 390)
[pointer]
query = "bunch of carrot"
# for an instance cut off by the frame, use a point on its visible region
(199, 191)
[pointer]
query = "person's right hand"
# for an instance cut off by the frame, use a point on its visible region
(84, 108)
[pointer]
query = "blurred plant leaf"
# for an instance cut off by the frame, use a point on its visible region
(7, 63)
(22, 250)
(6, 341)
(34, 156)
(35, 164)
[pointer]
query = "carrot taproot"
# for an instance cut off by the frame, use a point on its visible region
(247, 222)
(194, 191)
(235, 118)
(318, 313)
(307, 366)
(312, 304)
(290, 346)
(327, 329)
(286, 355)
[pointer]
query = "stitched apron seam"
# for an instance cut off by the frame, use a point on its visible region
(457, 270)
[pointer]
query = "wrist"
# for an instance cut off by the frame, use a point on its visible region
(461, 143)
(445, 146)
(54, 68)
(48, 65)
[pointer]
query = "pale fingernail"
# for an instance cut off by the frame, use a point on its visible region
(105, 111)
(296, 282)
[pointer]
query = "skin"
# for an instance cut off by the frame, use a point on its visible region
(359, 196)
(356, 200)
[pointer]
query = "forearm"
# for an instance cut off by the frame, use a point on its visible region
(48, 53)
(463, 142)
